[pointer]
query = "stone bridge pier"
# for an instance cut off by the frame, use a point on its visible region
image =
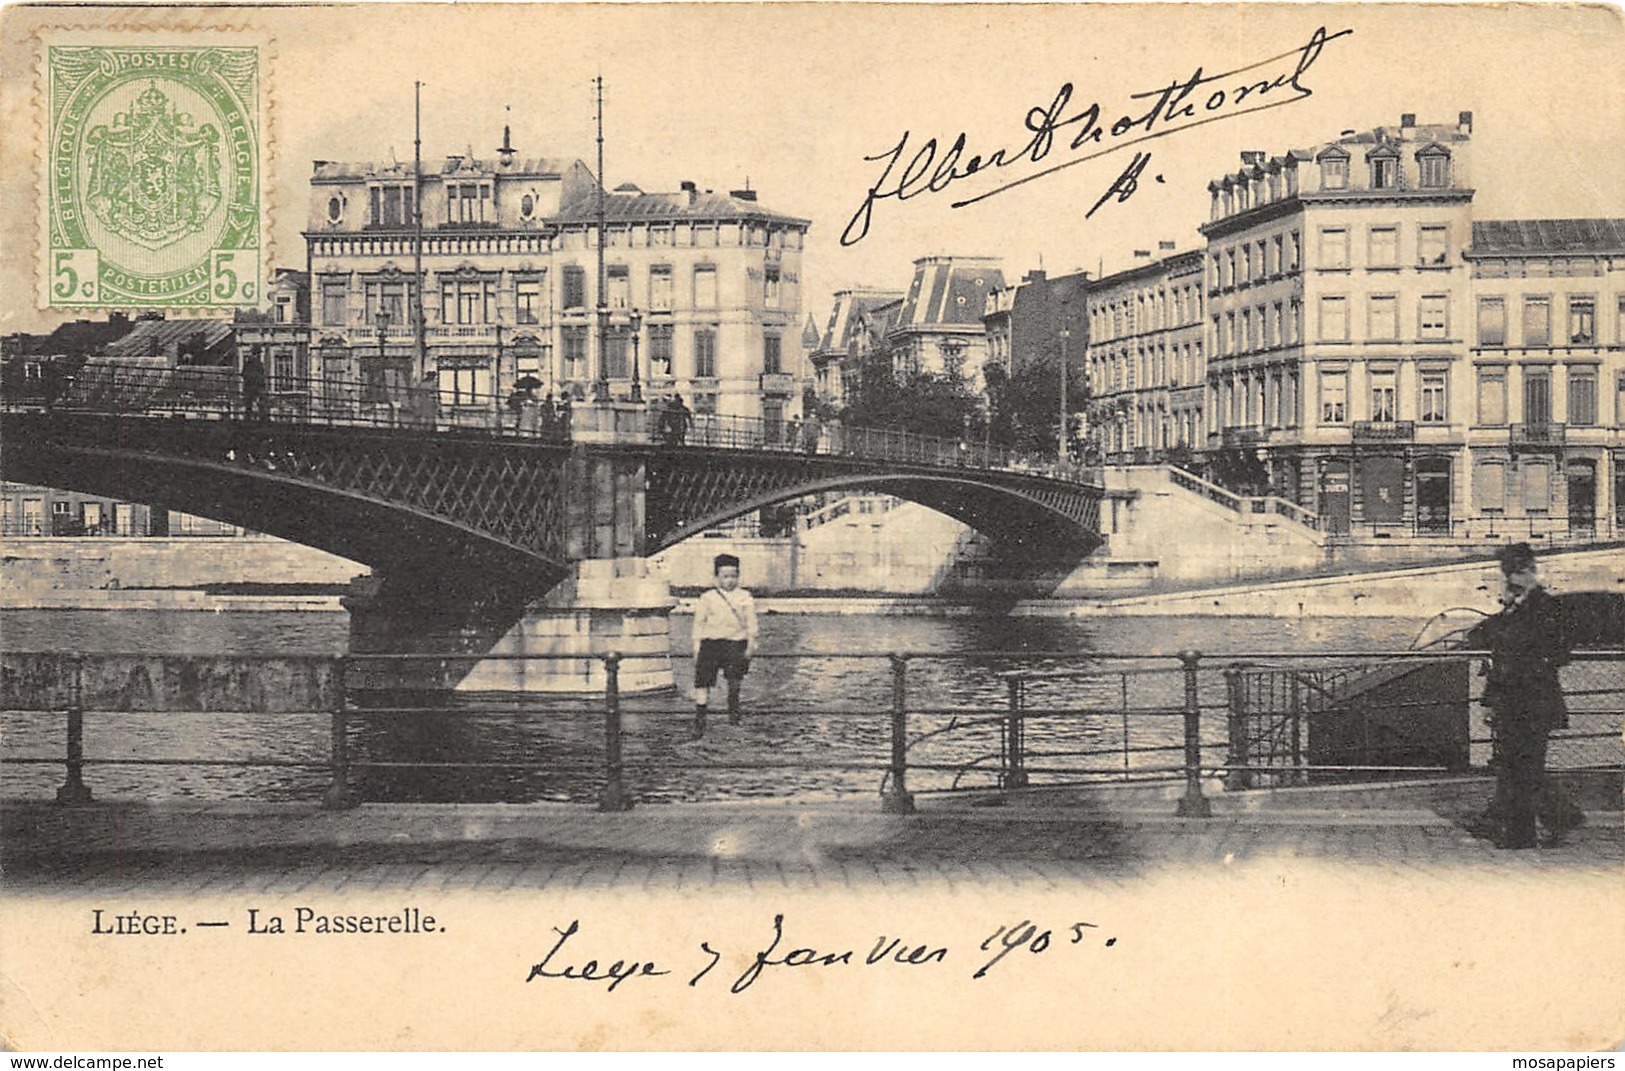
(534, 629)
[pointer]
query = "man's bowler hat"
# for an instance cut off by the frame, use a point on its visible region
(1516, 557)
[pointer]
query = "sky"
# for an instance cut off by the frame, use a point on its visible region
(793, 98)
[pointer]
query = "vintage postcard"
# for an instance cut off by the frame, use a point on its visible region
(812, 526)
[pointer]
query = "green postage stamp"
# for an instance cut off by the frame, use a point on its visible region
(154, 176)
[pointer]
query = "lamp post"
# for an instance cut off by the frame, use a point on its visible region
(382, 378)
(1061, 441)
(636, 320)
(600, 387)
(496, 376)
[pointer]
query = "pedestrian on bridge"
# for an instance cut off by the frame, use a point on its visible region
(255, 402)
(1528, 642)
(724, 637)
(675, 421)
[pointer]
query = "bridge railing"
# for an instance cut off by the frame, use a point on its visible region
(1012, 720)
(832, 438)
(219, 393)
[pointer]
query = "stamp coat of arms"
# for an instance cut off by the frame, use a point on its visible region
(154, 178)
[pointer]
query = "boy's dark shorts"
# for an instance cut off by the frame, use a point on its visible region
(725, 655)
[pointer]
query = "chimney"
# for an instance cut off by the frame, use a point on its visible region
(1142, 254)
(690, 189)
(1407, 121)
(742, 195)
(1464, 123)
(1165, 247)
(1036, 275)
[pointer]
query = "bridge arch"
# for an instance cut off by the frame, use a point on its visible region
(1011, 515)
(387, 535)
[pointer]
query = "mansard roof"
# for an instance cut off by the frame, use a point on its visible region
(652, 207)
(521, 167)
(1534, 237)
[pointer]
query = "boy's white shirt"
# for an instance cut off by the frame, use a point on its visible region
(725, 615)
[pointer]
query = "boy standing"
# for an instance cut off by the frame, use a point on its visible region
(724, 636)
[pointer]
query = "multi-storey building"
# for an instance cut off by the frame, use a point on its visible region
(30, 511)
(1545, 392)
(703, 288)
(1145, 356)
(281, 332)
(1338, 297)
(848, 338)
(939, 329)
(1024, 322)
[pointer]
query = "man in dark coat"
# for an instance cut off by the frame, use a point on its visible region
(255, 402)
(1528, 643)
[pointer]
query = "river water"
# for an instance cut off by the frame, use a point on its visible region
(816, 725)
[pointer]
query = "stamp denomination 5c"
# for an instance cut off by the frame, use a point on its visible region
(154, 180)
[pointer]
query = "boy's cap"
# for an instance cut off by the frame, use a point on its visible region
(723, 560)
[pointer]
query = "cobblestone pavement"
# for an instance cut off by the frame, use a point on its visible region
(222, 848)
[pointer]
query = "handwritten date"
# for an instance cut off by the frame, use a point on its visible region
(779, 954)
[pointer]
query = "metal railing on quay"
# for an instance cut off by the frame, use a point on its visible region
(1018, 719)
(220, 393)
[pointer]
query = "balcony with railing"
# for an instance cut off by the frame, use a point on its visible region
(1242, 438)
(1546, 434)
(778, 383)
(1384, 431)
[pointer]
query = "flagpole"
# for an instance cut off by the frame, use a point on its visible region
(601, 389)
(422, 369)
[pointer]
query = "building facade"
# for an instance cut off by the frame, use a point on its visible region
(1367, 349)
(703, 289)
(1338, 294)
(280, 331)
(1546, 383)
(938, 328)
(1145, 357)
(858, 320)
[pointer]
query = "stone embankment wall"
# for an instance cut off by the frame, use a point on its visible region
(41, 567)
(1158, 532)
(1418, 592)
(905, 550)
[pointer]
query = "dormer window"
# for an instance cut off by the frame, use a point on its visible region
(1334, 170)
(391, 204)
(469, 202)
(1384, 162)
(1433, 167)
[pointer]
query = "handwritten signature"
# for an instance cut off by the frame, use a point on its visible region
(1179, 105)
(1024, 936)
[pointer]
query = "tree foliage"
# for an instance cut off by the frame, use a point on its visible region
(1025, 408)
(926, 403)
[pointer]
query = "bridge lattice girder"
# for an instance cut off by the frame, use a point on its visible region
(691, 490)
(463, 507)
